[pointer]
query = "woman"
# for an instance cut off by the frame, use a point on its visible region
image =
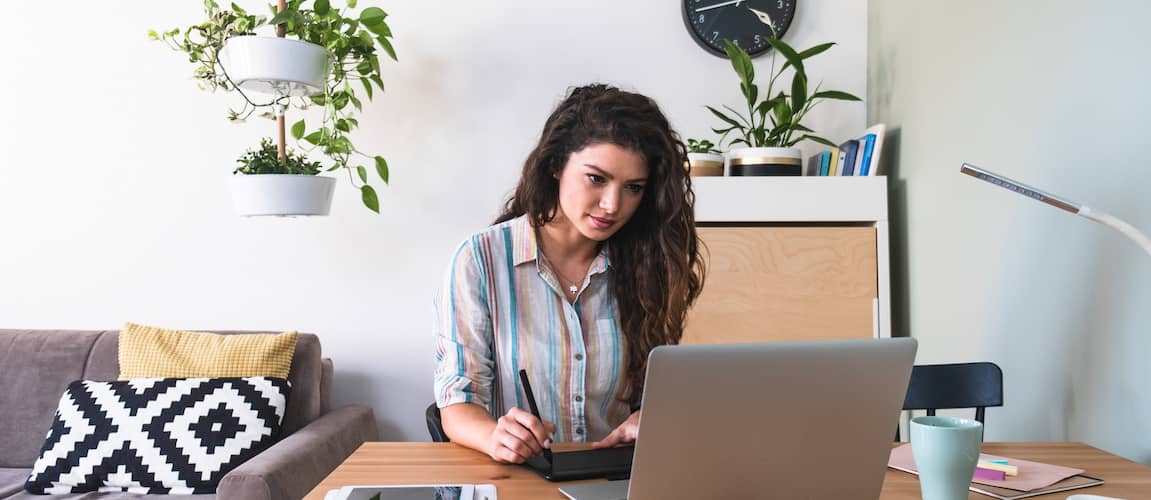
(594, 262)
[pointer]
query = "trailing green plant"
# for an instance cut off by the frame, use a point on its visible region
(352, 43)
(266, 160)
(776, 120)
(701, 146)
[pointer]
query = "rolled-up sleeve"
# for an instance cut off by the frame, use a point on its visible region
(465, 363)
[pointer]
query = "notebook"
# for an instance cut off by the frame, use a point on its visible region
(1034, 478)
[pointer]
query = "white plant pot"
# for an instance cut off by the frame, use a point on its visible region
(705, 164)
(764, 162)
(272, 65)
(282, 194)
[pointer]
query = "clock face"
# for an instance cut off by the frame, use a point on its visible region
(747, 23)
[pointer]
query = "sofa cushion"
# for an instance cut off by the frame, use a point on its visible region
(176, 436)
(150, 352)
(35, 366)
(24, 495)
(12, 480)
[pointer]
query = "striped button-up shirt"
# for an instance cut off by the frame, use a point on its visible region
(501, 309)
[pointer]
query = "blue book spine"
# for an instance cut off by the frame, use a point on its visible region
(824, 162)
(869, 145)
(849, 149)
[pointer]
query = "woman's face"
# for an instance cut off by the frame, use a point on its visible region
(600, 188)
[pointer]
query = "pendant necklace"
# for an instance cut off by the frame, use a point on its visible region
(573, 288)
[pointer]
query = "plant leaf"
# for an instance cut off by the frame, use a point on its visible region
(382, 168)
(298, 130)
(322, 7)
(818, 139)
(381, 29)
(372, 15)
(388, 48)
(363, 173)
(370, 199)
(818, 49)
(367, 87)
(351, 4)
(282, 17)
(798, 91)
(835, 94)
(315, 137)
(767, 105)
(793, 59)
(740, 61)
(782, 113)
(725, 118)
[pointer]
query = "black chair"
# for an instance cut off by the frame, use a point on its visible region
(435, 427)
(958, 385)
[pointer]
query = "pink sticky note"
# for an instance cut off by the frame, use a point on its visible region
(994, 475)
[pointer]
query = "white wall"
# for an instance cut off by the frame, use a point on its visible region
(1053, 94)
(113, 204)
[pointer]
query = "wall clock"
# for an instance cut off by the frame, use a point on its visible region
(747, 23)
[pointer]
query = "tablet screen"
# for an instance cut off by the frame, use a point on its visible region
(408, 493)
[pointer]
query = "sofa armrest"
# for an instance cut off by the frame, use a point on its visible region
(292, 467)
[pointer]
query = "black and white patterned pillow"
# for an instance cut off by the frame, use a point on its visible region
(175, 435)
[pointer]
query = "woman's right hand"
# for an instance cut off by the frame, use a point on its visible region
(518, 436)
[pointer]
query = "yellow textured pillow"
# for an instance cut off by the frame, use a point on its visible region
(150, 352)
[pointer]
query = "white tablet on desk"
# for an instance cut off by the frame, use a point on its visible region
(415, 492)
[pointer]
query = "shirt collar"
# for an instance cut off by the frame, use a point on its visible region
(525, 248)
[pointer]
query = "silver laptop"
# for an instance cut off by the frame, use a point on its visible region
(811, 420)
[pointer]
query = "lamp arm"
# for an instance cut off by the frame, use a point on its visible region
(1117, 224)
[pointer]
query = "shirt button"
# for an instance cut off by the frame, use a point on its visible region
(579, 357)
(578, 398)
(579, 430)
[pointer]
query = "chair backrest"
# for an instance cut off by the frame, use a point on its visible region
(956, 385)
(435, 427)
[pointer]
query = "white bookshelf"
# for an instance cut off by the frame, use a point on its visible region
(793, 201)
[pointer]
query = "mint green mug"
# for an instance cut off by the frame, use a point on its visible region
(946, 450)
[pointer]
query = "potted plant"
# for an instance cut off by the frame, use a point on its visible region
(703, 159)
(772, 126)
(329, 51)
(287, 186)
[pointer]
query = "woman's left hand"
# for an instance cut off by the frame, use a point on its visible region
(625, 433)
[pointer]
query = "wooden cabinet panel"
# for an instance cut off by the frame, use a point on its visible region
(782, 283)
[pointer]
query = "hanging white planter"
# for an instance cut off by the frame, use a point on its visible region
(282, 194)
(764, 161)
(279, 66)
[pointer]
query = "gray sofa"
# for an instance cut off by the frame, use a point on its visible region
(37, 365)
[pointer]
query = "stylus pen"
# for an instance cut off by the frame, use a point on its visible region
(532, 406)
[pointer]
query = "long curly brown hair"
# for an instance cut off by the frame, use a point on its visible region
(657, 267)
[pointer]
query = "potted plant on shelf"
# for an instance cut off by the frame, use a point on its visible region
(772, 126)
(703, 159)
(329, 52)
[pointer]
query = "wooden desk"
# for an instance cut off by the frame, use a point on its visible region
(416, 463)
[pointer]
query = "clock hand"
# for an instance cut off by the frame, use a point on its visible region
(763, 17)
(721, 4)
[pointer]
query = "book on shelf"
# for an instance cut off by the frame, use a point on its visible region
(849, 148)
(855, 157)
(836, 157)
(817, 164)
(876, 133)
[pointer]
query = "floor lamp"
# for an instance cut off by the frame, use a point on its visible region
(1069, 206)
